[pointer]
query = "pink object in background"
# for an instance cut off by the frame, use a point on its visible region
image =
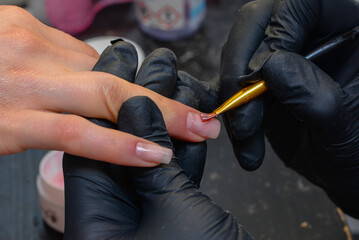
(75, 16)
(51, 169)
(50, 187)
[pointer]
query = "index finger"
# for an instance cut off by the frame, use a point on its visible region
(100, 95)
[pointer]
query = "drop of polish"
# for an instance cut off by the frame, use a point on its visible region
(207, 116)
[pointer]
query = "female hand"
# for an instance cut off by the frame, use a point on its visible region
(45, 72)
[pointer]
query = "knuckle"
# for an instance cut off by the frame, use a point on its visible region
(14, 15)
(250, 7)
(20, 40)
(12, 143)
(112, 94)
(12, 10)
(27, 40)
(326, 106)
(67, 130)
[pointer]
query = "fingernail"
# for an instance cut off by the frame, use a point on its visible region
(209, 129)
(153, 153)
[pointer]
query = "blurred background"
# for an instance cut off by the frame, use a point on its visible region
(272, 202)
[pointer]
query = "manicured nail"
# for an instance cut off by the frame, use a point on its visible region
(153, 153)
(208, 129)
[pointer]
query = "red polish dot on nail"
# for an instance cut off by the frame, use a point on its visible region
(207, 116)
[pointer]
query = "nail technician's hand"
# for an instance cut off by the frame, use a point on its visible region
(44, 72)
(104, 202)
(310, 112)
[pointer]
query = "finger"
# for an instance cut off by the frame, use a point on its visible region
(168, 197)
(92, 195)
(141, 117)
(91, 183)
(73, 60)
(244, 123)
(20, 18)
(191, 158)
(244, 128)
(159, 72)
(202, 95)
(296, 20)
(42, 53)
(290, 25)
(249, 151)
(66, 41)
(78, 136)
(243, 40)
(199, 95)
(299, 26)
(309, 93)
(119, 59)
(100, 95)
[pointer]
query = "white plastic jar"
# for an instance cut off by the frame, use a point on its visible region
(50, 187)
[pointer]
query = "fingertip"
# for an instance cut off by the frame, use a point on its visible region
(159, 72)
(153, 153)
(119, 59)
(207, 129)
(248, 161)
(250, 152)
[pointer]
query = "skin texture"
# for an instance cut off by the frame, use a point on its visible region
(106, 201)
(45, 72)
(310, 113)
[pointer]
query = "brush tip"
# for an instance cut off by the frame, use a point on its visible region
(207, 116)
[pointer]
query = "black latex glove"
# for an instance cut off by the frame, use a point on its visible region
(310, 113)
(101, 202)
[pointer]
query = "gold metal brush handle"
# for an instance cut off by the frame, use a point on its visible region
(243, 96)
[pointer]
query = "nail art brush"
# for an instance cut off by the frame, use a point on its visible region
(252, 91)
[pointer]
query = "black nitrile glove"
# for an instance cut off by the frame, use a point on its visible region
(159, 73)
(311, 111)
(172, 206)
(105, 201)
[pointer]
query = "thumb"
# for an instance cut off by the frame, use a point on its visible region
(172, 206)
(141, 117)
(308, 92)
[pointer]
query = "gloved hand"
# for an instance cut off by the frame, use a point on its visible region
(105, 201)
(311, 111)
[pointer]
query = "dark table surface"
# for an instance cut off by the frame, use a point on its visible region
(272, 203)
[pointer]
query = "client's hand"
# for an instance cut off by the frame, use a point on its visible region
(45, 72)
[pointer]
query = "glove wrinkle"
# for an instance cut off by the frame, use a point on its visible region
(203, 93)
(123, 52)
(161, 75)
